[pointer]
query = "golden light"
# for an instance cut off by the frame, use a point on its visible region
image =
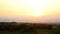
(36, 12)
(29, 7)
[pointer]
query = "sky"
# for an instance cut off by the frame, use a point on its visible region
(30, 10)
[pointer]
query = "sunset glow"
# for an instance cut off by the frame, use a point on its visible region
(29, 8)
(36, 12)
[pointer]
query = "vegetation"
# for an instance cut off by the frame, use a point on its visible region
(28, 28)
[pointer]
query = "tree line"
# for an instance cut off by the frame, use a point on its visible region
(23, 27)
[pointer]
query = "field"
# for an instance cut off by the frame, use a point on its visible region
(28, 28)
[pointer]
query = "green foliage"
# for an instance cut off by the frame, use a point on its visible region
(55, 31)
(27, 28)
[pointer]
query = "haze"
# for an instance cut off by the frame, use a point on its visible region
(30, 10)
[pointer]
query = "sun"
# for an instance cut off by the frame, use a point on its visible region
(36, 12)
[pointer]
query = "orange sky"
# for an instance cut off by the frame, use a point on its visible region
(30, 9)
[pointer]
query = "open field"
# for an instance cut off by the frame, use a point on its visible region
(28, 28)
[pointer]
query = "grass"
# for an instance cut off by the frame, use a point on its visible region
(18, 32)
(54, 31)
(38, 31)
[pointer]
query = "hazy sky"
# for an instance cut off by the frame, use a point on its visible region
(30, 10)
